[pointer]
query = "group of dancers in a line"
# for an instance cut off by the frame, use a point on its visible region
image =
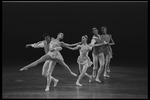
(102, 53)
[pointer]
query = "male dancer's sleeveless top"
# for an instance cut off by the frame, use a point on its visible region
(98, 49)
(83, 58)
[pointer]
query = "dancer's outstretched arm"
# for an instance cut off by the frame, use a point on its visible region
(66, 44)
(40, 44)
(75, 48)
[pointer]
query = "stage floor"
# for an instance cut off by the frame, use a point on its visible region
(125, 82)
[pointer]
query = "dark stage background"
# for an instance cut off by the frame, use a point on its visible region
(24, 23)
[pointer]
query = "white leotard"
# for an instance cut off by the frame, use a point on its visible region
(55, 54)
(83, 58)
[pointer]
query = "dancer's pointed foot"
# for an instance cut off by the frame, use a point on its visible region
(47, 89)
(24, 68)
(90, 80)
(73, 74)
(55, 83)
(108, 70)
(97, 80)
(94, 75)
(77, 83)
(105, 75)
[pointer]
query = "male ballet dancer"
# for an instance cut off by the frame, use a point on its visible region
(97, 54)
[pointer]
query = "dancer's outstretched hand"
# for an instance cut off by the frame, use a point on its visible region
(24, 68)
(28, 45)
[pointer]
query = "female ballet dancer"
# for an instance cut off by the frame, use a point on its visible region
(107, 49)
(83, 59)
(97, 54)
(53, 55)
(45, 44)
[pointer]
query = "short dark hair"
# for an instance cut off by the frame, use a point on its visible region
(103, 27)
(45, 35)
(94, 28)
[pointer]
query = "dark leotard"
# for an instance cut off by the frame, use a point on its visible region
(106, 48)
(98, 49)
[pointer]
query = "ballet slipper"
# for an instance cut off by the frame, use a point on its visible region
(77, 83)
(55, 83)
(24, 68)
(97, 80)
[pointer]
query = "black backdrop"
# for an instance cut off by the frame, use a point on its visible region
(25, 22)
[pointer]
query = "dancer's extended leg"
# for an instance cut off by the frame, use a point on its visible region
(100, 70)
(61, 62)
(42, 59)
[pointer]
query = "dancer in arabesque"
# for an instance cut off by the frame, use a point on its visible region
(52, 55)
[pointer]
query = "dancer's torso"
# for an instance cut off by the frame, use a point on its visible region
(106, 37)
(98, 49)
(54, 43)
(84, 50)
(83, 58)
(106, 47)
(55, 54)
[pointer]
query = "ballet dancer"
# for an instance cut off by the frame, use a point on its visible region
(83, 59)
(46, 67)
(107, 49)
(98, 55)
(53, 55)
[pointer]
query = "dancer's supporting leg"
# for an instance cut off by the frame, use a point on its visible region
(54, 79)
(42, 59)
(86, 74)
(82, 74)
(106, 66)
(45, 68)
(109, 58)
(95, 63)
(100, 70)
(49, 75)
(61, 62)
(80, 67)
